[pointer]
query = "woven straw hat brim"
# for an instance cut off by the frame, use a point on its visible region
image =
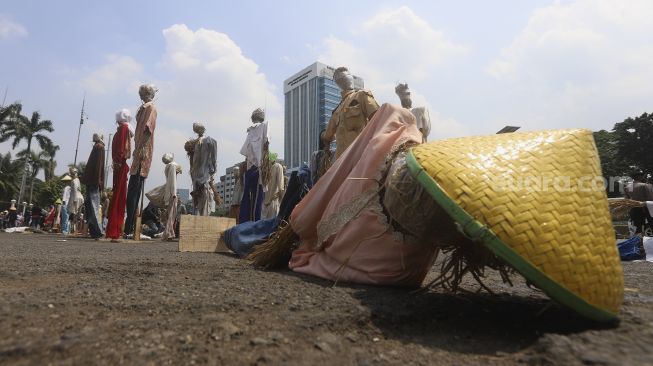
(600, 307)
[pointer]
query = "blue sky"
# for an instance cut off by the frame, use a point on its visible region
(477, 65)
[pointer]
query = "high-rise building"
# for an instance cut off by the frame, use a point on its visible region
(226, 187)
(311, 95)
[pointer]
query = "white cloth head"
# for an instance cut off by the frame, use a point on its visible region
(123, 115)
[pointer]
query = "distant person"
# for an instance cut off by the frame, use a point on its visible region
(12, 217)
(642, 192)
(76, 200)
(3, 219)
(151, 221)
(48, 223)
(35, 222)
(65, 197)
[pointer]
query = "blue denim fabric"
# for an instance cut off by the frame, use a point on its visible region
(92, 204)
(64, 218)
(242, 238)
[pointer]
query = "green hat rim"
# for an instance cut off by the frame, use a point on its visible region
(481, 233)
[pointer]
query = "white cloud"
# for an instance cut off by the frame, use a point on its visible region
(580, 63)
(393, 46)
(119, 73)
(213, 82)
(10, 29)
(203, 76)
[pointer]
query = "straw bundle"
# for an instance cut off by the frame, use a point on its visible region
(620, 207)
(276, 252)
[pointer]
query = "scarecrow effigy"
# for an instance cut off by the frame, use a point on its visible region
(422, 116)
(349, 118)
(142, 155)
(256, 152)
(165, 195)
(120, 152)
(384, 211)
(202, 153)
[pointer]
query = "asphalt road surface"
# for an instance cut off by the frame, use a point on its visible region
(85, 302)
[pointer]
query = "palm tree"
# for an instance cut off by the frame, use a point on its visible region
(22, 128)
(50, 151)
(9, 112)
(9, 172)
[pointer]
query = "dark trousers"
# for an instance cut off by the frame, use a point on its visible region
(134, 188)
(250, 206)
(640, 216)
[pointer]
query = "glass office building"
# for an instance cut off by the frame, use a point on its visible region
(311, 95)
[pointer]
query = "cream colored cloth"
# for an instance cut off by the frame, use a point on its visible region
(171, 183)
(204, 204)
(275, 192)
(423, 121)
(169, 231)
(76, 200)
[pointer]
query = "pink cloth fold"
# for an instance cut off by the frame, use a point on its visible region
(359, 247)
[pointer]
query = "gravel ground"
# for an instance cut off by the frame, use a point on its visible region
(85, 302)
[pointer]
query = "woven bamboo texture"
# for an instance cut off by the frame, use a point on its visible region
(535, 192)
(203, 233)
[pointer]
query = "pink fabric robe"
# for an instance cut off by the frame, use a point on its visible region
(343, 232)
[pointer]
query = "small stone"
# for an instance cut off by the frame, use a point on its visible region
(51, 306)
(376, 339)
(351, 337)
(324, 347)
(258, 342)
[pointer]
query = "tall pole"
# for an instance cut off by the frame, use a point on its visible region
(81, 122)
(23, 180)
(106, 160)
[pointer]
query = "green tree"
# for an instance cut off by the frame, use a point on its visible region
(49, 191)
(50, 152)
(9, 113)
(613, 164)
(634, 138)
(21, 128)
(10, 170)
(37, 162)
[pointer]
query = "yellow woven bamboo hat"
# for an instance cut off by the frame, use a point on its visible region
(537, 201)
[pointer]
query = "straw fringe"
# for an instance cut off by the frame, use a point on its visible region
(276, 252)
(620, 207)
